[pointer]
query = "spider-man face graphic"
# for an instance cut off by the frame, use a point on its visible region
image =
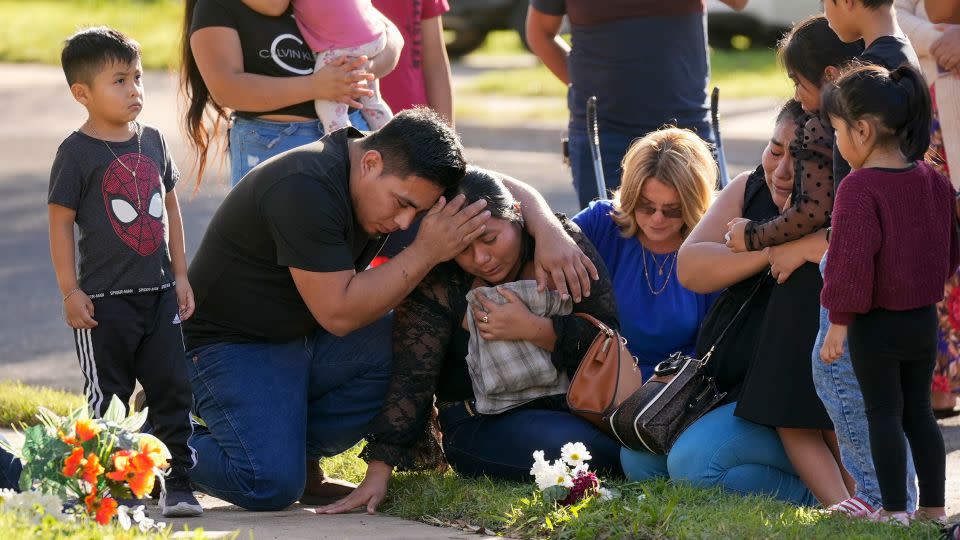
(135, 203)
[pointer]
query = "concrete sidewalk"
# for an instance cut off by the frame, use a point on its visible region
(221, 519)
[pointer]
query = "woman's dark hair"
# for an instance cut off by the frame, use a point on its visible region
(898, 101)
(811, 46)
(198, 99)
(480, 183)
(792, 109)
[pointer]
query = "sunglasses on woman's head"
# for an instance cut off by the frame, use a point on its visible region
(669, 213)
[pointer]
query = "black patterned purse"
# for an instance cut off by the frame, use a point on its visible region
(679, 393)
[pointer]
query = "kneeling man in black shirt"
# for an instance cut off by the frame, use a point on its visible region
(289, 349)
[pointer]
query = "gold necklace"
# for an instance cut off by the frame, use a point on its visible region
(646, 273)
(136, 167)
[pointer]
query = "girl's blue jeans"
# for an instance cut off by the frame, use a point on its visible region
(723, 450)
(253, 140)
(268, 407)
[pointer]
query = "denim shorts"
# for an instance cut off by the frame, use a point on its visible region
(253, 140)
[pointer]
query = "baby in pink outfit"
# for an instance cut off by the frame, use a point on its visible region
(335, 28)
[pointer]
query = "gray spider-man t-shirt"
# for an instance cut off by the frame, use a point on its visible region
(118, 195)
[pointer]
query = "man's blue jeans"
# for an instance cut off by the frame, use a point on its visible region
(268, 407)
(613, 146)
(253, 141)
(723, 450)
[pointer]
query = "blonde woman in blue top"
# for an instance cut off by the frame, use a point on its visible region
(667, 185)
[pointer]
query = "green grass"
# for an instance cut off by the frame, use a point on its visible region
(653, 510)
(656, 510)
(34, 30)
(19, 402)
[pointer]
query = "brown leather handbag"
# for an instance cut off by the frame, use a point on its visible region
(607, 376)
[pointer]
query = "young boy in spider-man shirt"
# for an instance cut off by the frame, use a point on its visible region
(114, 178)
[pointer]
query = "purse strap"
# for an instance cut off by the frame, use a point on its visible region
(756, 287)
(596, 322)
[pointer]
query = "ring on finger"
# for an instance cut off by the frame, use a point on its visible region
(484, 319)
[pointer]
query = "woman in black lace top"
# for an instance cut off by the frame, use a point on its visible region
(430, 349)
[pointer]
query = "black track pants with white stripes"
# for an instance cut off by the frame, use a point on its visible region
(138, 337)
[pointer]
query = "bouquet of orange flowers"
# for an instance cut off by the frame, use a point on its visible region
(92, 461)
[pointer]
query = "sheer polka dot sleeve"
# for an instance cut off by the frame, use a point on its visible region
(812, 199)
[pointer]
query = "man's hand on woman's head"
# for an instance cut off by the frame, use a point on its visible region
(449, 228)
(343, 80)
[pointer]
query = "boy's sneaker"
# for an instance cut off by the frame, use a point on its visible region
(854, 507)
(176, 499)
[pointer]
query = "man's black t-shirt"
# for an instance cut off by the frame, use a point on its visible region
(890, 52)
(271, 46)
(293, 210)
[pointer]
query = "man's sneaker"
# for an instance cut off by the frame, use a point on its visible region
(176, 499)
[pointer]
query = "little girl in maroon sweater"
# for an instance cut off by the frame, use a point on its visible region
(893, 244)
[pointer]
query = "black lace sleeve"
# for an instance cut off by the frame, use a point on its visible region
(403, 434)
(574, 335)
(812, 152)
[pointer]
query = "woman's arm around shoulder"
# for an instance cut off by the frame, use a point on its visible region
(705, 264)
(557, 255)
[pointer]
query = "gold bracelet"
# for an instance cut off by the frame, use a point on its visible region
(69, 294)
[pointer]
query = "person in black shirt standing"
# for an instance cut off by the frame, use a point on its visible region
(289, 351)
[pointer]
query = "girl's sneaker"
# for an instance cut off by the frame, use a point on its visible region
(854, 507)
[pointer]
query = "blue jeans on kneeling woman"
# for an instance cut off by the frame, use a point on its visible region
(502, 445)
(723, 450)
